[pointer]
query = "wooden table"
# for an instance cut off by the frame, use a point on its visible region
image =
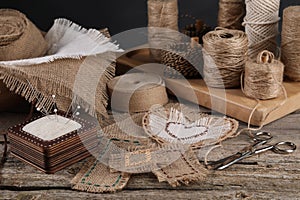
(265, 176)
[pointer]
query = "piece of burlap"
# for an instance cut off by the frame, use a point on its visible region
(96, 175)
(19, 37)
(146, 159)
(126, 132)
(185, 170)
(98, 178)
(194, 129)
(59, 78)
(79, 64)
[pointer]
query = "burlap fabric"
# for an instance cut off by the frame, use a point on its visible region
(19, 37)
(124, 149)
(96, 175)
(193, 129)
(97, 178)
(185, 170)
(76, 69)
(146, 159)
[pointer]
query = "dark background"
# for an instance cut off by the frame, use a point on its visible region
(117, 15)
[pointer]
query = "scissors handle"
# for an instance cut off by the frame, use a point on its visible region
(262, 136)
(284, 147)
(280, 147)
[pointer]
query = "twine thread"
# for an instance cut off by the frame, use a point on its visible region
(231, 14)
(164, 14)
(263, 78)
(290, 42)
(224, 54)
(261, 25)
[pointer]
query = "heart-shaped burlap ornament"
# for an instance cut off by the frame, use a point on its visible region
(172, 126)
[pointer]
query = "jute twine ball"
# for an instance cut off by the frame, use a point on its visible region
(224, 56)
(263, 78)
(163, 14)
(290, 42)
(231, 14)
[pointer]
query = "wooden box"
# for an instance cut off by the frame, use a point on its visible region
(54, 154)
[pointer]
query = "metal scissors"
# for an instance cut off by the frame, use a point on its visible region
(260, 139)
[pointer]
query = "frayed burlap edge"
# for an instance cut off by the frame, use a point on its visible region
(232, 133)
(176, 173)
(39, 85)
(114, 131)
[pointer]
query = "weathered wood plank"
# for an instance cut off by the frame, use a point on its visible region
(242, 176)
(149, 194)
(264, 176)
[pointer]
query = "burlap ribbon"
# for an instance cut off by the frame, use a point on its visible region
(68, 71)
(19, 37)
(137, 92)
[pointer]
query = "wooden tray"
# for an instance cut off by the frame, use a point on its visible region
(231, 102)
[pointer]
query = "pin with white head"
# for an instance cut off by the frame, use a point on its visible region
(42, 110)
(75, 113)
(55, 109)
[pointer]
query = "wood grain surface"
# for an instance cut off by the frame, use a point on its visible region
(265, 176)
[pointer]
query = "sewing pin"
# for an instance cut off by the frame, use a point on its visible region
(75, 113)
(43, 110)
(69, 108)
(55, 109)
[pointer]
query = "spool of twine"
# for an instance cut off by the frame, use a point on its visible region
(137, 92)
(290, 42)
(231, 14)
(261, 25)
(177, 61)
(263, 77)
(163, 14)
(224, 55)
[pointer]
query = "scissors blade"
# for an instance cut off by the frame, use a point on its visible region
(244, 153)
(230, 160)
(241, 157)
(217, 164)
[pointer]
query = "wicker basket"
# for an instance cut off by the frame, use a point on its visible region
(177, 64)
